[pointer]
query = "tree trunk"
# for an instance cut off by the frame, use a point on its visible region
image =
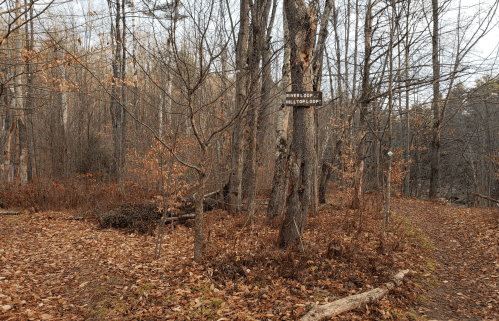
(277, 199)
(7, 166)
(407, 178)
(118, 115)
(28, 114)
(302, 160)
(364, 106)
(435, 142)
(236, 176)
(198, 220)
(267, 102)
(388, 178)
(322, 179)
(254, 109)
(18, 95)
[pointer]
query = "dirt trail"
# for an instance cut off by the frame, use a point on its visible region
(466, 259)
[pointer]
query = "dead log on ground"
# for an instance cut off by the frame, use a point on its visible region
(9, 212)
(329, 310)
(179, 218)
(486, 197)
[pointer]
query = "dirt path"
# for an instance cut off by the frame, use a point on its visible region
(466, 260)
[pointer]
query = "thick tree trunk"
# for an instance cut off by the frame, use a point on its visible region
(302, 161)
(435, 142)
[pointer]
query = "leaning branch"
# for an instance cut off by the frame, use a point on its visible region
(321, 312)
(486, 197)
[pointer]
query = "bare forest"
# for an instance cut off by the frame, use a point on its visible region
(164, 159)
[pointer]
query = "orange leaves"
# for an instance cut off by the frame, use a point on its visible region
(63, 268)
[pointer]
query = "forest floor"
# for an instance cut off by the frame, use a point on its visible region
(465, 280)
(56, 268)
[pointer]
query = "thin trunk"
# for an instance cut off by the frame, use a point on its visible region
(267, 83)
(236, 176)
(435, 142)
(319, 187)
(338, 57)
(28, 117)
(198, 220)
(161, 110)
(123, 92)
(118, 115)
(277, 199)
(364, 106)
(388, 180)
(18, 92)
(7, 166)
(407, 180)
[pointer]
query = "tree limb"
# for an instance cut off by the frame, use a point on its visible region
(486, 197)
(321, 312)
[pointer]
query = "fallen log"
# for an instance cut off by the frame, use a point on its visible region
(9, 212)
(329, 310)
(179, 218)
(486, 197)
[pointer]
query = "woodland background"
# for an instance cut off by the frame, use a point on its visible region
(122, 113)
(104, 101)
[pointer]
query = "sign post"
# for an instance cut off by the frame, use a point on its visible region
(304, 98)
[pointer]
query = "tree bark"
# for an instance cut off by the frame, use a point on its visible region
(277, 199)
(267, 101)
(388, 178)
(325, 169)
(118, 115)
(236, 176)
(364, 110)
(198, 220)
(254, 107)
(435, 142)
(28, 113)
(18, 92)
(407, 178)
(302, 160)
